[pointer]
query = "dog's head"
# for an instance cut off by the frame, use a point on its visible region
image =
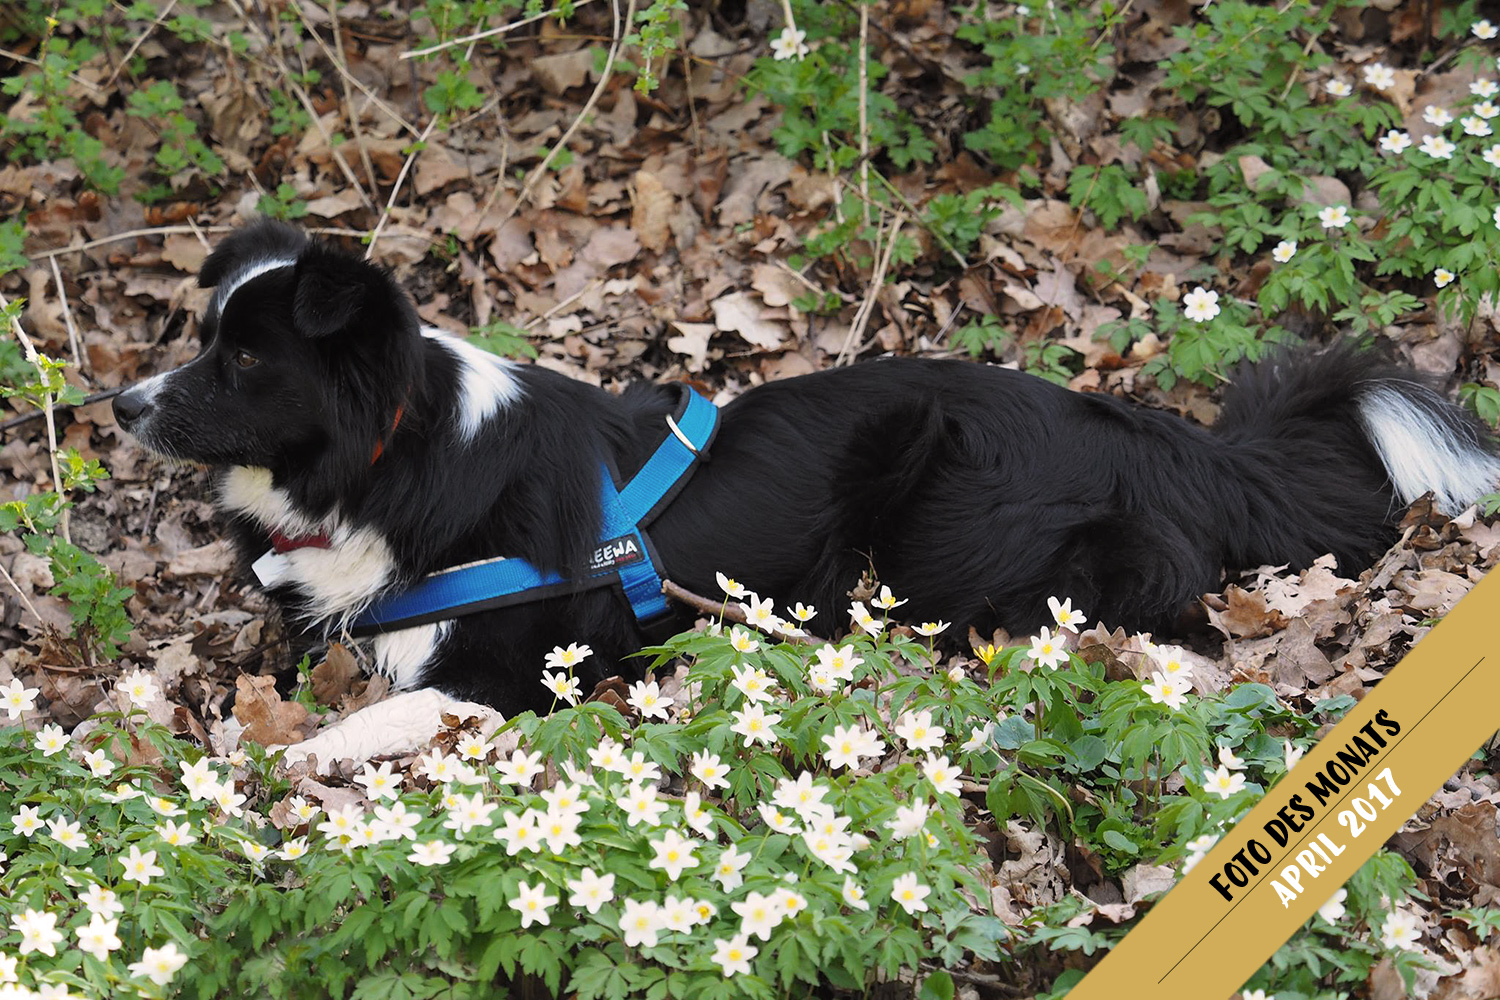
(306, 348)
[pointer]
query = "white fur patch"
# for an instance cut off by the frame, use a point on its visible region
(489, 382)
(1421, 453)
(399, 724)
(226, 289)
(336, 582)
(402, 655)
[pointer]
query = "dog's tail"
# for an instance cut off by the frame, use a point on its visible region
(1331, 447)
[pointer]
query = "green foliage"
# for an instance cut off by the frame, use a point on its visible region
(499, 337)
(1109, 191)
(284, 203)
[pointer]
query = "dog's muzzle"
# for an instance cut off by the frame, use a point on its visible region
(132, 407)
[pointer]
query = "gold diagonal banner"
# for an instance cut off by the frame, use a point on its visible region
(1318, 824)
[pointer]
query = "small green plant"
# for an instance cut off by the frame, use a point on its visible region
(181, 151)
(985, 335)
(284, 203)
(504, 339)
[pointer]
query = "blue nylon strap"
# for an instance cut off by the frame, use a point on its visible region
(625, 554)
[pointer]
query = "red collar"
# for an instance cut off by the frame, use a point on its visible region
(282, 543)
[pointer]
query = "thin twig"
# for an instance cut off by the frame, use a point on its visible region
(350, 78)
(487, 33)
(20, 593)
(30, 415)
(864, 108)
(853, 342)
(139, 42)
(29, 349)
(731, 612)
(28, 60)
(396, 188)
(62, 295)
(343, 67)
(609, 68)
(130, 235)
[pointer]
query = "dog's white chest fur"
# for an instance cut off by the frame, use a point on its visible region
(334, 583)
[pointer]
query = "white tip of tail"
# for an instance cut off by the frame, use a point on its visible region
(1422, 451)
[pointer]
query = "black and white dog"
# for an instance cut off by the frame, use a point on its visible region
(365, 452)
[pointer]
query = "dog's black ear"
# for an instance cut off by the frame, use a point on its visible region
(263, 240)
(333, 289)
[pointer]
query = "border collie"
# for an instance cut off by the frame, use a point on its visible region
(361, 453)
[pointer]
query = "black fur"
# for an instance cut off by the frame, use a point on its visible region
(974, 491)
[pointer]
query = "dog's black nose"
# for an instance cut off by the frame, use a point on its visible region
(130, 406)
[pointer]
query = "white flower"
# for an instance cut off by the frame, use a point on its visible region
(839, 661)
(930, 629)
(730, 586)
(1400, 930)
(467, 812)
(140, 867)
(1443, 277)
(727, 869)
(104, 902)
(519, 833)
(754, 683)
(854, 895)
(199, 780)
(379, 782)
(606, 755)
(473, 747)
(176, 834)
(699, 819)
(566, 798)
(943, 775)
(51, 739)
(293, 849)
(38, 931)
(520, 768)
(1291, 754)
(533, 904)
(98, 937)
(1338, 88)
(754, 724)
(674, 854)
(1484, 88)
(804, 613)
(918, 732)
(979, 738)
(591, 891)
(140, 688)
(1064, 615)
(1486, 109)
(1171, 691)
(909, 820)
(1395, 141)
(1203, 843)
(1333, 910)
(1228, 758)
(801, 795)
(1283, 251)
(862, 618)
(16, 698)
(758, 915)
(431, 852)
(638, 768)
(1437, 147)
(1200, 305)
(99, 763)
(1170, 661)
(640, 805)
(1222, 782)
(159, 964)
(641, 922)
(1380, 76)
(646, 698)
(1474, 125)
(887, 600)
(1436, 116)
(564, 659)
(560, 830)
(302, 810)
(776, 819)
(1047, 649)
(759, 613)
(791, 903)
(1334, 216)
(1483, 29)
(562, 686)
(27, 821)
(228, 800)
(733, 956)
(910, 894)
(707, 768)
(164, 806)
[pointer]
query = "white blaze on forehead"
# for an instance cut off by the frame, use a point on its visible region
(250, 272)
(488, 382)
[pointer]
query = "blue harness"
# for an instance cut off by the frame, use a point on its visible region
(624, 556)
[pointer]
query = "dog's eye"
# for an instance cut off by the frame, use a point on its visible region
(245, 359)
